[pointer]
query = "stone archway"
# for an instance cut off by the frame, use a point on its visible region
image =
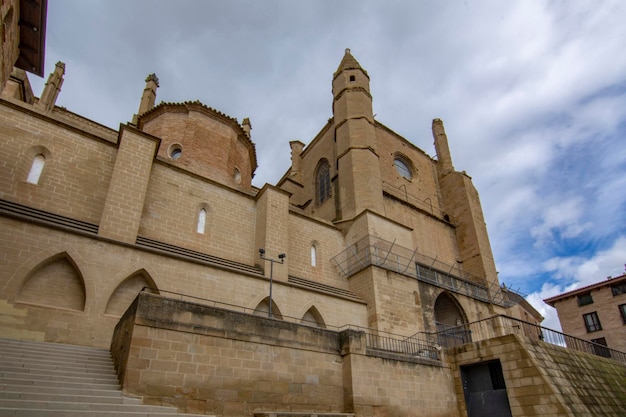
(451, 321)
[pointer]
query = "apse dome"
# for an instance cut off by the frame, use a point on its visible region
(203, 141)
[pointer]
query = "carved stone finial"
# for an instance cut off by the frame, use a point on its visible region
(148, 97)
(152, 77)
(52, 88)
(246, 125)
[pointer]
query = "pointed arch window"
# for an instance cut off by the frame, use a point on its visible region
(201, 221)
(323, 181)
(36, 169)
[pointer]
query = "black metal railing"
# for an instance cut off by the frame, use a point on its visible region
(412, 346)
(450, 336)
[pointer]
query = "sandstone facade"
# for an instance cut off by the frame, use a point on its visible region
(386, 250)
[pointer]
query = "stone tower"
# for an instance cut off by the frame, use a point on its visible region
(358, 171)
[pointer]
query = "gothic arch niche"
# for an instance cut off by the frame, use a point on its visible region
(126, 292)
(312, 317)
(451, 321)
(263, 309)
(55, 282)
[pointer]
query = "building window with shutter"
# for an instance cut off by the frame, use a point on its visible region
(592, 322)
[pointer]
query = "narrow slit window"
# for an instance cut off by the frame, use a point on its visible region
(201, 221)
(313, 256)
(36, 169)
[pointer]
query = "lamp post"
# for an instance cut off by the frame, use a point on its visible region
(281, 260)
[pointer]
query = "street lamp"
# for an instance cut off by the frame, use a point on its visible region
(281, 260)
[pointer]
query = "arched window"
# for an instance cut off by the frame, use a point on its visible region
(313, 255)
(323, 181)
(403, 167)
(201, 221)
(36, 169)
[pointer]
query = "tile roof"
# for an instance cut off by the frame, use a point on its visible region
(585, 289)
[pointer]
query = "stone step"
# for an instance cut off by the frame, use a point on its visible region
(64, 355)
(49, 347)
(39, 379)
(44, 366)
(56, 390)
(58, 378)
(59, 384)
(107, 375)
(44, 358)
(26, 412)
(87, 406)
(69, 397)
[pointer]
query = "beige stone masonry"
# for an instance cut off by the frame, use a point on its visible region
(125, 199)
(272, 229)
(548, 380)
(207, 360)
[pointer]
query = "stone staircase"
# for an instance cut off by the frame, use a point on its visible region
(53, 380)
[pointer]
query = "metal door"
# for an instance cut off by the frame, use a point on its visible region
(485, 390)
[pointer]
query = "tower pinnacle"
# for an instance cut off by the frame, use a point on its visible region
(148, 97)
(348, 63)
(53, 87)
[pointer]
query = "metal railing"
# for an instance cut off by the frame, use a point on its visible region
(375, 251)
(375, 339)
(426, 204)
(450, 336)
(429, 345)
(419, 345)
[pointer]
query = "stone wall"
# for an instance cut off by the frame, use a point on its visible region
(548, 380)
(101, 277)
(9, 38)
(209, 360)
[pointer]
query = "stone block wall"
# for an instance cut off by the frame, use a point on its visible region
(208, 360)
(77, 169)
(9, 38)
(547, 380)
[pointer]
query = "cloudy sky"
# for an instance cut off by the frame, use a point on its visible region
(532, 94)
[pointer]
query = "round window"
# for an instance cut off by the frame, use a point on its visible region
(175, 151)
(403, 168)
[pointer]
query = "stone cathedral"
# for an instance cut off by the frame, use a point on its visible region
(350, 286)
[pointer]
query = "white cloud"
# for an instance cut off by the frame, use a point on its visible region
(576, 272)
(562, 218)
(585, 271)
